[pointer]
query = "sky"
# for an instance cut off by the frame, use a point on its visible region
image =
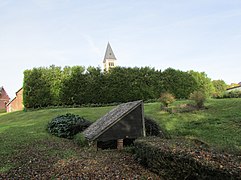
(199, 35)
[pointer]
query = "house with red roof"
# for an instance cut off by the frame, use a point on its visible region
(4, 99)
(17, 103)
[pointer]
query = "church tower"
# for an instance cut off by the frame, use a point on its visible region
(109, 59)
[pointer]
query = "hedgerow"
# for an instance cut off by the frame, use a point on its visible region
(71, 86)
(232, 94)
(185, 159)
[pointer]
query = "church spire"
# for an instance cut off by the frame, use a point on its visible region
(109, 59)
(109, 53)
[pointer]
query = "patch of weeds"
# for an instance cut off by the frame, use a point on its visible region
(80, 140)
(5, 168)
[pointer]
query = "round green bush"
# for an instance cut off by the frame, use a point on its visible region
(66, 126)
(199, 98)
(167, 98)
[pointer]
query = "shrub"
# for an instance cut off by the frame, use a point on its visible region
(153, 129)
(199, 98)
(220, 87)
(185, 159)
(232, 94)
(167, 98)
(66, 126)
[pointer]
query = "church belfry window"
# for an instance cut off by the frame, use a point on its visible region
(111, 64)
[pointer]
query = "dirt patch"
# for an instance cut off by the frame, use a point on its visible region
(63, 159)
(182, 108)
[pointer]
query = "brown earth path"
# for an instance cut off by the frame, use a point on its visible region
(40, 161)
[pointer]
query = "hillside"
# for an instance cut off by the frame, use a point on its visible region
(27, 150)
(219, 124)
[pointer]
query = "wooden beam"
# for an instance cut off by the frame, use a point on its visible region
(143, 119)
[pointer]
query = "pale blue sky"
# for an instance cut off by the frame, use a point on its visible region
(200, 35)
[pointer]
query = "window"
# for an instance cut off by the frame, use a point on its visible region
(111, 64)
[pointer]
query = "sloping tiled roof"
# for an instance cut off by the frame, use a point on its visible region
(1, 88)
(236, 87)
(108, 120)
(109, 53)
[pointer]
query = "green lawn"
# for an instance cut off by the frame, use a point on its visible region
(21, 132)
(218, 125)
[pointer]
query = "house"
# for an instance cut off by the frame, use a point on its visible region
(4, 98)
(109, 59)
(236, 88)
(125, 122)
(17, 103)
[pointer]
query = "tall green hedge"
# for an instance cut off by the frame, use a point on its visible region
(178, 83)
(76, 85)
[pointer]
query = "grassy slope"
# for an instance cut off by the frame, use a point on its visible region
(219, 124)
(21, 129)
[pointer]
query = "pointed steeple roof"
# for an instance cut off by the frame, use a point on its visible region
(109, 53)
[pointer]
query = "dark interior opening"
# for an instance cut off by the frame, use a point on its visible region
(112, 144)
(128, 142)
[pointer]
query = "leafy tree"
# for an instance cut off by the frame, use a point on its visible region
(178, 83)
(220, 87)
(204, 83)
(37, 91)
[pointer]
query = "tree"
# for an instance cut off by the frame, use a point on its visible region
(178, 83)
(37, 92)
(204, 83)
(220, 87)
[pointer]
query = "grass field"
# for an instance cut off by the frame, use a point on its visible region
(19, 130)
(25, 145)
(219, 124)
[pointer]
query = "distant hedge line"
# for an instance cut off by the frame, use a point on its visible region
(56, 86)
(185, 159)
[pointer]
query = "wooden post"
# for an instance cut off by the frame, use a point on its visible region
(143, 119)
(119, 144)
(96, 145)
